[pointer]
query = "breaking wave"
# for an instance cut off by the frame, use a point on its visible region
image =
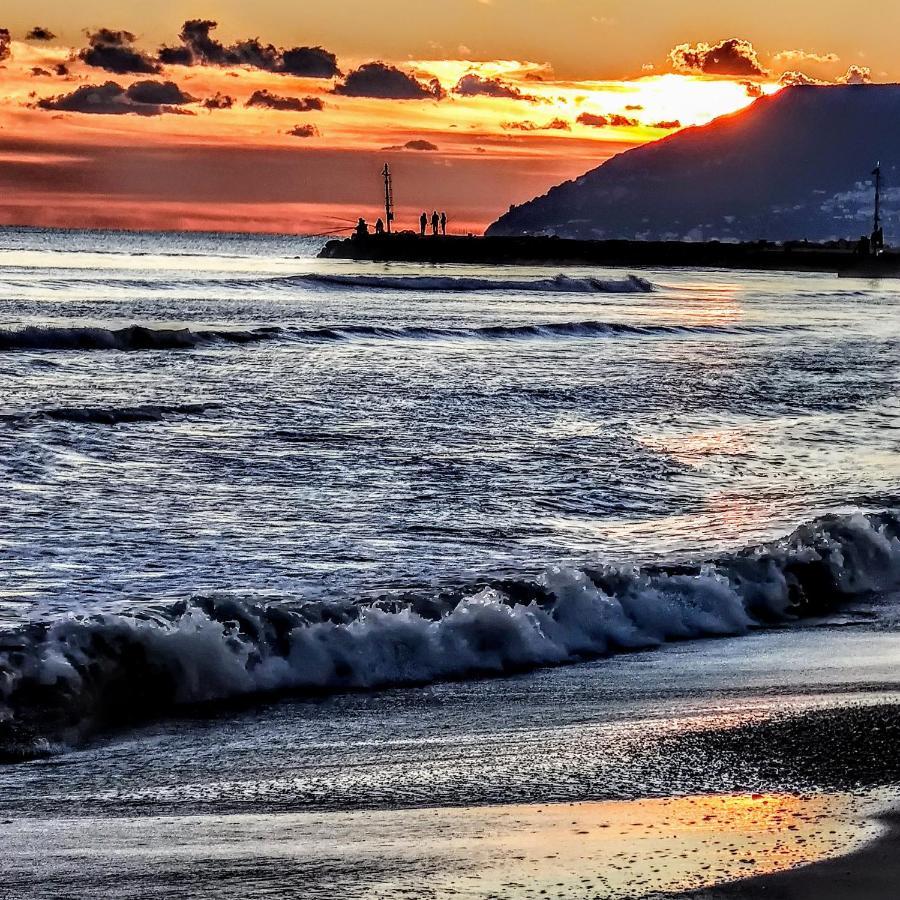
(60, 679)
(109, 415)
(133, 337)
(564, 284)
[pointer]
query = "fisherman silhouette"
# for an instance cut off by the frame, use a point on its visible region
(444, 224)
(362, 229)
(379, 227)
(423, 223)
(435, 221)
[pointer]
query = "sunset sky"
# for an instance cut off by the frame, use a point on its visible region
(280, 116)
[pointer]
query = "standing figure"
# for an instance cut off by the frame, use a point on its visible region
(423, 223)
(444, 224)
(435, 222)
(362, 229)
(379, 227)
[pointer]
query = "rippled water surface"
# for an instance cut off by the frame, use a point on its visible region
(327, 429)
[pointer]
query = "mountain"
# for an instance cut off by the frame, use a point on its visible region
(793, 165)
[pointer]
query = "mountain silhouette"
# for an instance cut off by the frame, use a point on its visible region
(793, 166)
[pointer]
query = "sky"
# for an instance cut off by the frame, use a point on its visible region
(278, 116)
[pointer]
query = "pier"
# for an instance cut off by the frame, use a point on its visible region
(839, 257)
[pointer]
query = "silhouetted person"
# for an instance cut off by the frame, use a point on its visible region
(379, 227)
(435, 222)
(444, 224)
(362, 230)
(423, 223)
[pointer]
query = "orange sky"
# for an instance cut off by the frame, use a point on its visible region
(478, 134)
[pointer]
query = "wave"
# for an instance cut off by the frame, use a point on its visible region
(61, 679)
(566, 284)
(538, 331)
(138, 337)
(109, 415)
(130, 338)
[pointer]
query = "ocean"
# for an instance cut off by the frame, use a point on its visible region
(288, 541)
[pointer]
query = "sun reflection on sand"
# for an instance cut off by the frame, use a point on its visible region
(617, 849)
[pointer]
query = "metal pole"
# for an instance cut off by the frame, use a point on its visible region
(877, 174)
(388, 198)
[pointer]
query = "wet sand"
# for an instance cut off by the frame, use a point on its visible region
(569, 851)
(870, 873)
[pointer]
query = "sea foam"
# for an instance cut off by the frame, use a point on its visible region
(61, 678)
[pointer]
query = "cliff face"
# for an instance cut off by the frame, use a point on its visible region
(792, 166)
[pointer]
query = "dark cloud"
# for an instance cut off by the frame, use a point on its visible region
(269, 100)
(379, 80)
(668, 125)
(158, 93)
(310, 62)
(472, 85)
(733, 56)
(554, 125)
(37, 71)
(419, 144)
(634, 107)
(613, 120)
(199, 47)
(114, 51)
(40, 34)
(5, 41)
(61, 69)
(219, 101)
(303, 131)
(143, 98)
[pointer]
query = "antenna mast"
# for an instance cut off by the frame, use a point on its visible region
(877, 174)
(388, 197)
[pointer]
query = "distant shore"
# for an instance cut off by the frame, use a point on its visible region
(838, 257)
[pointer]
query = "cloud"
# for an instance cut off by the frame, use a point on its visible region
(753, 89)
(269, 100)
(668, 125)
(5, 41)
(143, 98)
(733, 56)
(554, 125)
(799, 57)
(158, 93)
(792, 79)
(303, 131)
(419, 144)
(218, 101)
(614, 120)
(198, 47)
(310, 62)
(381, 81)
(633, 107)
(114, 51)
(857, 75)
(37, 71)
(40, 34)
(473, 85)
